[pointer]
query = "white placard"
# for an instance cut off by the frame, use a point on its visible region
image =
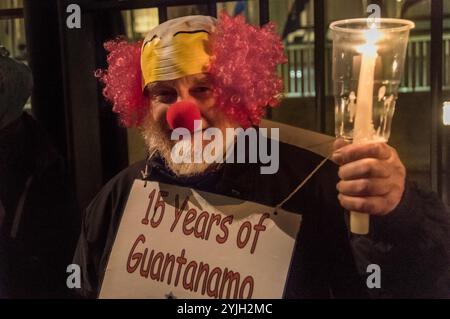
(176, 242)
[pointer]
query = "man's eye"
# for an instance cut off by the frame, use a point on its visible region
(165, 93)
(165, 96)
(202, 89)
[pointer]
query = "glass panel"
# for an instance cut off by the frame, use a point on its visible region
(295, 22)
(139, 22)
(250, 9)
(12, 38)
(181, 11)
(11, 4)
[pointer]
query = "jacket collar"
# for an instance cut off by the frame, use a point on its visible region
(230, 179)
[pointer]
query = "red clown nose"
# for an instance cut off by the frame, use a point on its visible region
(183, 114)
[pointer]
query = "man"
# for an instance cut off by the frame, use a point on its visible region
(195, 62)
(38, 220)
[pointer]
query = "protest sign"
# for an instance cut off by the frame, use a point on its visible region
(181, 243)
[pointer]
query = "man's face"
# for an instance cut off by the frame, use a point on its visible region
(193, 88)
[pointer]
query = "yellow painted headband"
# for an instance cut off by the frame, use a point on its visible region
(177, 48)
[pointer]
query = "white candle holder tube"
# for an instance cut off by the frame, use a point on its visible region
(368, 59)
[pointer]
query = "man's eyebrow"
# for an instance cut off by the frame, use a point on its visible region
(159, 85)
(203, 80)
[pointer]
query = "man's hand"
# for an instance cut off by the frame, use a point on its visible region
(372, 177)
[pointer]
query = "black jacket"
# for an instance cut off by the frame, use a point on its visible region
(41, 224)
(411, 244)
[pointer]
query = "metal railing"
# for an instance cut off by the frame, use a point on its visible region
(298, 72)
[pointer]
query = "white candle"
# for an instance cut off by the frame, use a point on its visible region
(363, 128)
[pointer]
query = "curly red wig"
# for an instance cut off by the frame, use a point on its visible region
(243, 68)
(123, 81)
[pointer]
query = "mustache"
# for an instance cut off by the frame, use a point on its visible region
(157, 139)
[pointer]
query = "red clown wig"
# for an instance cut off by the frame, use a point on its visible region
(243, 68)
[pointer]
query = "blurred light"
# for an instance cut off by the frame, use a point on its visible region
(446, 113)
(394, 66)
(145, 20)
(295, 74)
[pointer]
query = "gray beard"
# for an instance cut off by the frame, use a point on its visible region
(157, 140)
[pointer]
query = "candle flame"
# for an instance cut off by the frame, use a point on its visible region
(371, 36)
